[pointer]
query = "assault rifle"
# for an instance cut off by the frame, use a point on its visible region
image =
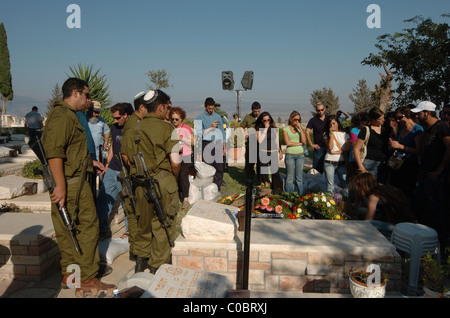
(36, 145)
(127, 183)
(100, 159)
(152, 193)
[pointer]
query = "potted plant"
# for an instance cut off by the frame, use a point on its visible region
(363, 283)
(436, 277)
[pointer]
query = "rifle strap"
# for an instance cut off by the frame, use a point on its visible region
(137, 134)
(80, 187)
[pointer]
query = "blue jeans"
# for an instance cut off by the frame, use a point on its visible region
(341, 171)
(107, 194)
(318, 159)
(377, 168)
(294, 172)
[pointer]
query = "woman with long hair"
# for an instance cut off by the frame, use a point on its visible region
(269, 151)
(337, 141)
(383, 202)
(295, 140)
(407, 144)
(358, 122)
(377, 146)
(186, 140)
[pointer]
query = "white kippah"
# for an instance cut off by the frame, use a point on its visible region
(150, 96)
(139, 95)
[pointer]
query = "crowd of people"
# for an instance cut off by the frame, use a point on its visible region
(152, 147)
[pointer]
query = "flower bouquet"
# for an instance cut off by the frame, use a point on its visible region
(229, 199)
(317, 206)
(271, 206)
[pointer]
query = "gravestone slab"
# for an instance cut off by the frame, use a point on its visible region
(178, 282)
(13, 186)
(210, 221)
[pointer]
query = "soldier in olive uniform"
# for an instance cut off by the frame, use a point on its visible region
(152, 137)
(251, 158)
(65, 146)
(128, 133)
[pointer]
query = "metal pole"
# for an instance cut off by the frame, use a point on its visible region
(239, 102)
(248, 219)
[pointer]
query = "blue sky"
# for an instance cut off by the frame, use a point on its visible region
(293, 47)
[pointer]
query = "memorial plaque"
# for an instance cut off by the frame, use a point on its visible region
(177, 282)
(209, 221)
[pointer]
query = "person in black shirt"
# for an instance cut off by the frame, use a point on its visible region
(269, 151)
(316, 126)
(435, 161)
(377, 147)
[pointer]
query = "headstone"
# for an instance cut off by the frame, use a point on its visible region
(210, 221)
(14, 186)
(4, 151)
(141, 280)
(177, 282)
(17, 137)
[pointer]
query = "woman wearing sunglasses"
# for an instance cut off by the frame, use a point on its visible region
(186, 140)
(269, 152)
(407, 143)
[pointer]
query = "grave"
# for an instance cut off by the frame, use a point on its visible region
(210, 221)
(14, 186)
(28, 249)
(176, 282)
(310, 256)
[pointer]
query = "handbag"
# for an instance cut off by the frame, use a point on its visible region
(396, 161)
(344, 154)
(363, 151)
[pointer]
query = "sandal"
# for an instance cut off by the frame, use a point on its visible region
(125, 235)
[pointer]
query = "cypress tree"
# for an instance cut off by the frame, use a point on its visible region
(5, 70)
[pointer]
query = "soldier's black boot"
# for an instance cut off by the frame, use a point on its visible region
(141, 264)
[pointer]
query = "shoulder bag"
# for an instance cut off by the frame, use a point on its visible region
(363, 151)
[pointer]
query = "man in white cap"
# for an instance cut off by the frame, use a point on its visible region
(435, 161)
(98, 127)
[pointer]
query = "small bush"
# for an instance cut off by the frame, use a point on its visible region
(28, 169)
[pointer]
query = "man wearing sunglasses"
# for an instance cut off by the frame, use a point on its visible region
(65, 146)
(316, 125)
(110, 186)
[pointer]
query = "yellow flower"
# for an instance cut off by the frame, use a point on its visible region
(332, 202)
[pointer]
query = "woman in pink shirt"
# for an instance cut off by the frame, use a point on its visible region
(186, 140)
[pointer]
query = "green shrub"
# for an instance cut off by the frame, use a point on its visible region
(28, 169)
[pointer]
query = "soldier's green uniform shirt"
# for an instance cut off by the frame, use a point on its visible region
(155, 142)
(128, 132)
(65, 138)
(248, 122)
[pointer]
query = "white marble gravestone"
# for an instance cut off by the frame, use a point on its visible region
(177, 282)
(209, 221)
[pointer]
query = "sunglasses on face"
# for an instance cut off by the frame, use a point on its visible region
(400, 117)
(175, 119)
(88, 96)
(118, 118)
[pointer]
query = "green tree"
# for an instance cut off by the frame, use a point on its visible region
(56, 97)
(419, 58)
(98, 88)
(327, 98)
(362, 97)
(6, 89)
(159, 78)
